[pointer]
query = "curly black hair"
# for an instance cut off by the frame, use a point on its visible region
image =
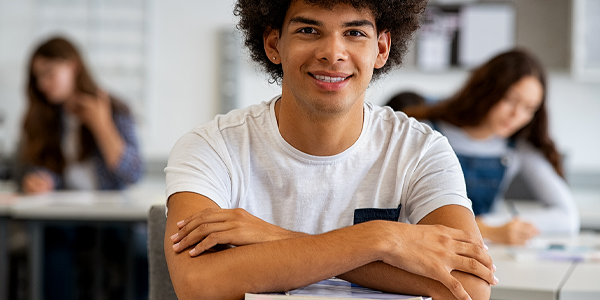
(399, 17)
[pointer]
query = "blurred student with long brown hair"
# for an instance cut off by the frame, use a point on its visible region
(497, 124)
(75, 135)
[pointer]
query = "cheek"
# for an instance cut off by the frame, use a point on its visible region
(58, 86)
(525, 119)
(64, 80)
(497, 113)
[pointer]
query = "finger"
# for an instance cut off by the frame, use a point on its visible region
(199, 234)
(472, 266)
(455, 287)
(33, 183)
(466, 237)
(209, 215)
(201, 248)
(47, 179)
(532, 230)
(187, 220)
(476, 252)
(28, 186)
(212, 240)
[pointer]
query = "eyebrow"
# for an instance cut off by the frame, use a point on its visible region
(307, 21)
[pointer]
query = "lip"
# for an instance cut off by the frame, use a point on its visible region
(330, 81)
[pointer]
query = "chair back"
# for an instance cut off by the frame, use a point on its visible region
(161, 287)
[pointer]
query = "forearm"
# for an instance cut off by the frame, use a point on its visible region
(272, 266)
(267, 261)
(111, 144)
(383, 277)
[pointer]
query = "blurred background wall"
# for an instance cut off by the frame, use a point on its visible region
(178, 64)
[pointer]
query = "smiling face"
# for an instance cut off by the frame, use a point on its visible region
(327, 56)
(517, 108)
(55, 78)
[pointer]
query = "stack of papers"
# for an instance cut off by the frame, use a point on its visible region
(332, 289)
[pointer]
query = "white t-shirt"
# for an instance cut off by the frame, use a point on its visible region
(559, 214)
(241, 160)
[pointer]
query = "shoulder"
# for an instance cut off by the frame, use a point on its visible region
(258, 113)
(385, 116)
(225, 127)
(397, 130)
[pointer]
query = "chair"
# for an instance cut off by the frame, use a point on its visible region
(161, 287)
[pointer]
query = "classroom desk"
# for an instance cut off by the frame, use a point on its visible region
(582, 284)
(96, 207)
(588, 205)
(528, 277)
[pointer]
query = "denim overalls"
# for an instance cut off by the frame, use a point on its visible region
(483, 177)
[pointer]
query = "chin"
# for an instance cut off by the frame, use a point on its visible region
(506, 133)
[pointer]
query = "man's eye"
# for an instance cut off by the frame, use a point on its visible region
(355, 33)
(308, 30)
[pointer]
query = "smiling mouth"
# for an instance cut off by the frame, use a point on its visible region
(328, 78)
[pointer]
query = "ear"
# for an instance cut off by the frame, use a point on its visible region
(384, 43)
(270, 41)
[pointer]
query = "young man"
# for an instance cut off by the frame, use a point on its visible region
(312, 184)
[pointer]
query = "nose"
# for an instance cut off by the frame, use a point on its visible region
(331, 49)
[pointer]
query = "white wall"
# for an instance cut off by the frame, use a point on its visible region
(15, 30)
(183, 91)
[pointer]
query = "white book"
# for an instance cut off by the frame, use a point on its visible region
(332, 289)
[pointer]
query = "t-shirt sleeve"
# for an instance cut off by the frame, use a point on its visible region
(560, 214)
(197, 164)
(436, 181)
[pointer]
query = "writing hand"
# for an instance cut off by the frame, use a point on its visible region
(434, 251)
(515, 232)
(37, 182)
(213, 226)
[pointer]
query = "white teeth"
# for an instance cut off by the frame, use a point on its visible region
(329, 79)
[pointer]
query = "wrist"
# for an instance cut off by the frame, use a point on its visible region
(288, 234)
(377, 239)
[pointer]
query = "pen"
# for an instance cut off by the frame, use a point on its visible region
(510, 205)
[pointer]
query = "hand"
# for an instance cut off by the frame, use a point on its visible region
(214, 226)
(37, 182)
(515, 232)
(434, 251)
(93, 111)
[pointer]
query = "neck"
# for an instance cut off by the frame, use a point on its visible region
(320, 135)
(478, 132)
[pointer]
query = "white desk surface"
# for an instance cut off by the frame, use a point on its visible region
(531, 277)
(532, 280)
(7, 197)
(132, 204)
(583, 283)
(87, 206)
(6, 202)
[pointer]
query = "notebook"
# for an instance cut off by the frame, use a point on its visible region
(332, 288)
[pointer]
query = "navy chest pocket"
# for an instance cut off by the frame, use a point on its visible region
(362, 215)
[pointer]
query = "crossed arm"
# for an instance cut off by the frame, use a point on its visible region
(391, 256)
